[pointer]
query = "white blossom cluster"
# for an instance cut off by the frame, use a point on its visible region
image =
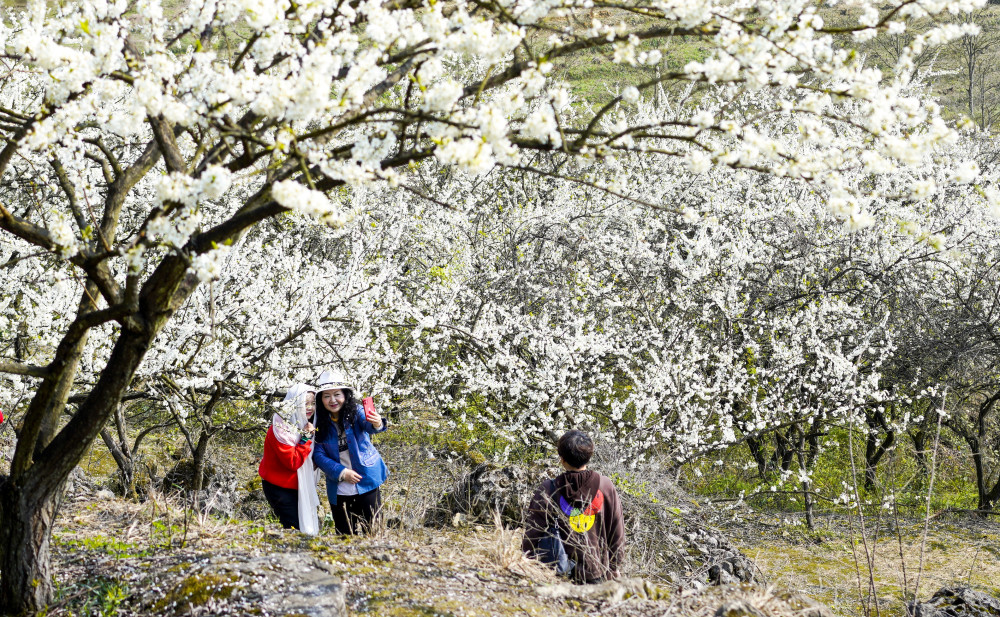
(664, 273)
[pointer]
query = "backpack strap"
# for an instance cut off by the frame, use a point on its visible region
(550, 487)
(553, 486)
(551, 549)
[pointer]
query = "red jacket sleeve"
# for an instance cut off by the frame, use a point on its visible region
(291, 457)
(281, 462)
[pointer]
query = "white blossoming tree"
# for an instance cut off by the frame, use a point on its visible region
(754, 317)
(140, 144)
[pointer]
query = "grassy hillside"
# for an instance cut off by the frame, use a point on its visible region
(116, 557)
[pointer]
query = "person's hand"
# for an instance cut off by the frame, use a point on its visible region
(371, 414)
(309, 428)
(351, 476)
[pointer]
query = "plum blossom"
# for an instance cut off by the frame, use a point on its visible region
(698, 162)
(966, 172)
(442, 96)
(473, 156)
(294, 196)
(209, 266)
(541, 124)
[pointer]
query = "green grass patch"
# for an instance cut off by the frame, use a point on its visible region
(101, 544)
(899, 475)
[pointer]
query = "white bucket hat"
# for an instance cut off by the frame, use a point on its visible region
(332, 380)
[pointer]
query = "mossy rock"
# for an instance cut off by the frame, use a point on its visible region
(180, 567)
(253, 506)
(488, 490)
(182, 475)
(465, 451)
(139, 489)
(197, 590)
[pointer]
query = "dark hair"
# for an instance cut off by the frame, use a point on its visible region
(324, 426)
(576, 448)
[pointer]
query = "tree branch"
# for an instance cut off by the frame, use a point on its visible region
(19, 368)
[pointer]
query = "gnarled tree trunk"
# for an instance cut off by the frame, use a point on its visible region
(26, 518)
(30, 497)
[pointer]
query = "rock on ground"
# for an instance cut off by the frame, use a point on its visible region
(957, 602)
(276, 584)
(487, 490)
(220, 494)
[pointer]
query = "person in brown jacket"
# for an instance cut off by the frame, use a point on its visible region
(584, 506)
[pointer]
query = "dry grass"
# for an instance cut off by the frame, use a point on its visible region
(503, 548)
(405, 569)
(743, 600)
(161, 521)
(828, 571)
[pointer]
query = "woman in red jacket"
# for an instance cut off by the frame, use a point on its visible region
(286, 448)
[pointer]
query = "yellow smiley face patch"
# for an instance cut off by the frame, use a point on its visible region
(582, 520)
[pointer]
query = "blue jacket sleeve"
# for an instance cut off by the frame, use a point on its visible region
(362, 423)
(330, 466)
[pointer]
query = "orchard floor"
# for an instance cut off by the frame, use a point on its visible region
(121, 558)
(115, 557)
(118, 557)
(831, 563)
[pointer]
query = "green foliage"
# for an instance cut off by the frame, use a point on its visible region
(163, 534)
(436, 436)
(440, 273)
(102, 544)
(112, 595)
(594, 77)
(900, 473)
(95, 597)
(634, 488)
(473, 440)
(255, 483)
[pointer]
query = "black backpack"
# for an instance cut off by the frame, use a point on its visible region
(551, 549)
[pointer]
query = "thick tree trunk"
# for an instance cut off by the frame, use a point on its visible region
(26, 518)
(30, 497)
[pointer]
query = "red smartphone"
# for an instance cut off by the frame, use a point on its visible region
(369, 404)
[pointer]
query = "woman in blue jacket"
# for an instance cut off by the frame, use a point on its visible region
(343, 450)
